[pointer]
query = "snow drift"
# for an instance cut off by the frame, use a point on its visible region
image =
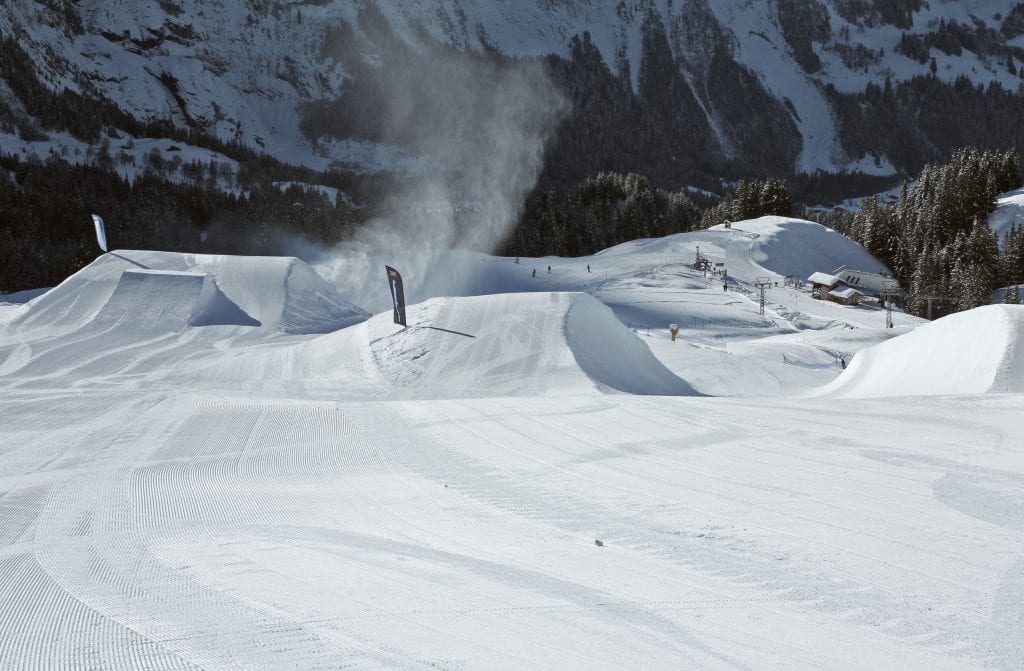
(974, 352)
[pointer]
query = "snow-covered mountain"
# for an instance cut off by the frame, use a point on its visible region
(761, 81)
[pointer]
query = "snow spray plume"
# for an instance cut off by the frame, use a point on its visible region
(477, 127)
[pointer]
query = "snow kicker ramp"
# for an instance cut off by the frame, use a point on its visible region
(170, 290)
(165, 299)
(484, 346)
(974, 352)
(138, 315)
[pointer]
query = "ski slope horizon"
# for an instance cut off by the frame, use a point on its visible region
(212, 462)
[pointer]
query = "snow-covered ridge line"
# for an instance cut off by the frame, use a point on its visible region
(245, 73)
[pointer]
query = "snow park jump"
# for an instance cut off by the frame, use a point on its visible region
(615, 408)
(212, 462)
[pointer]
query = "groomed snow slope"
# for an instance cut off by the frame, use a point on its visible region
(233, 495)
(973, 352)
(795, 247)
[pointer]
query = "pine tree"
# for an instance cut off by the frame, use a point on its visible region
(1011, 258)
(974, 268)
(905, 243)
(747, 200)
(775, 199)
(1009, 176)
(928, 280)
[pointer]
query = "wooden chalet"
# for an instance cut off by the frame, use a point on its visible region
(844, 295)
(822, 284)
(832, 288)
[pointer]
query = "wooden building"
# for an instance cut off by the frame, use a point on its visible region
(822, 284)
(844, 295)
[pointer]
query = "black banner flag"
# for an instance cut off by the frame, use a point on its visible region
(397, 294)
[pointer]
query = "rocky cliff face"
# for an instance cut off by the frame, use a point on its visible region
(679, 89)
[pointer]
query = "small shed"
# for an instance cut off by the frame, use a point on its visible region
(844, 296)
(822, 284)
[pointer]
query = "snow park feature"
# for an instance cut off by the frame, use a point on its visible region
(217, 462)
(974, 352)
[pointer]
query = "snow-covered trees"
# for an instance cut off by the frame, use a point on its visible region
(601, 211)
(974, 267)
(43, 239)
(1011, 261)
(1012, 295)
(753, 198)
(936, 238)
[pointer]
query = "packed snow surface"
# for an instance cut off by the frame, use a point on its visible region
(966, 353)
(223, 462)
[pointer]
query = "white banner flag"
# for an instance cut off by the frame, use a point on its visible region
(101, 233)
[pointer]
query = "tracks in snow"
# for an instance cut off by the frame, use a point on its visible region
(238, 532)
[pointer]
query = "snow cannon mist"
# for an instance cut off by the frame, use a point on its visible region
(476, 128)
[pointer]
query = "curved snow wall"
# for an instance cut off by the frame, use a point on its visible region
(613, 356)
(974, 352)
(524, 344)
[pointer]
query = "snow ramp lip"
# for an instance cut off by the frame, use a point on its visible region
(613, 356)
(979, 351)
(168, 300)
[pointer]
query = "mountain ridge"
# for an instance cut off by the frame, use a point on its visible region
(763, 84)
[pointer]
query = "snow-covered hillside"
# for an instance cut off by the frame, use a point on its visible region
(212, 462)
(1009, 212)
(247, 71)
